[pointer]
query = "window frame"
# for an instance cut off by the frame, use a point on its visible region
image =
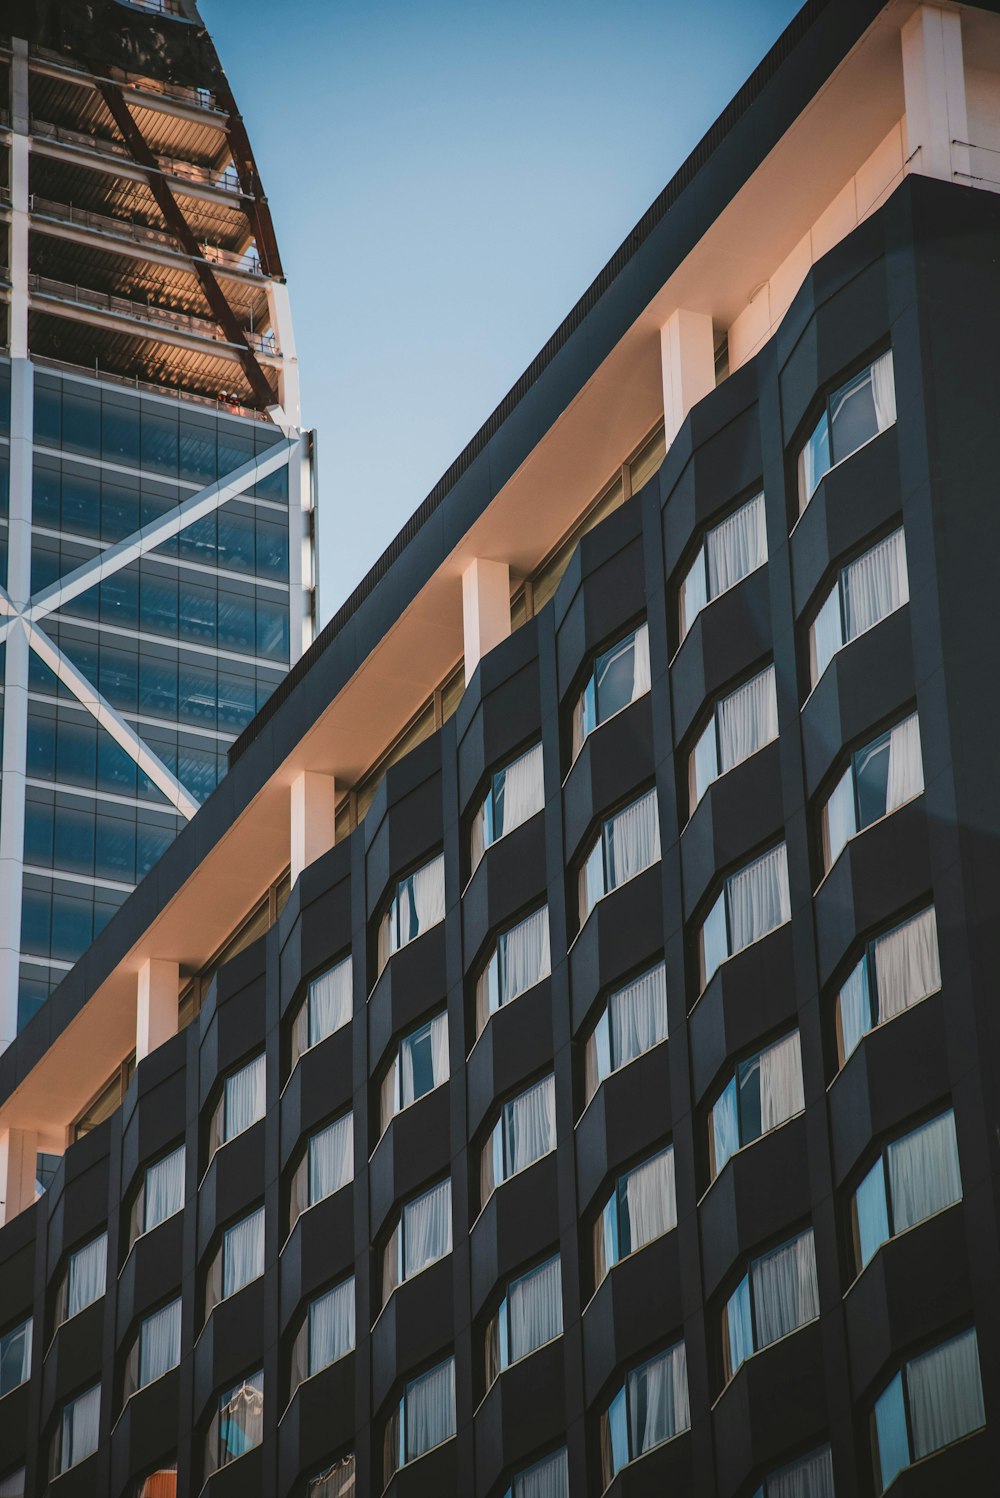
(881, 1159)
(588, 691)
(723, 895)
(485, 807)
(711, 722)
(62, 1312)
(26, 1326)
(304, 1007)
(902, 1374)
(397, 1238)
(825, 416)
(871, 982)
(389, 913)
(851, 769)
(501, 1319)
(684, 626)
(733, 1080)
(600, 841)
(838, 588)
(303, 1160)
(618, 1185)
(500, 1126)
(602, 1018)
(142, 1196)
(622, 1392)
(395, 1071)
(493, 959)
(729, 1373)
(218, 1128)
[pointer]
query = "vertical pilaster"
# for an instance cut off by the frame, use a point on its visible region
(687, 350)
(934, 88)
(301, 561)
(280, 313)
(156, 1004)
(313, 815)
(18, 1148)
(19, 149)
(486, 609)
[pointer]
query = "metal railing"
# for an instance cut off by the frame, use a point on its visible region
(180, 93)
(226, 181)
(68, 213)
(160, 7)
(103, 301)
(245, 260)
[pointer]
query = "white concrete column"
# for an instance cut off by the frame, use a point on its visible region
(301, 559)
(158, 992)
(687, 351)
(313, 818)
(18, 1148)
(486, 609)
(19, 150)
(280, 313)
(934, 90)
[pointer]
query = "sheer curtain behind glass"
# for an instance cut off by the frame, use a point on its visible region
(79, 1429)
(906, 770)
(243, 1253)
(525, 957)
(758, 898)
(530, 1126)
(737, 547)
(534, 1309)
(244, 1098)
(15, 1357)
(14, 1485)
(747, 720)
(328, 1007)
(88, 1270)
(907, 967)
(658, 1401)
(426, 1229)
(633, 840)
(809, 1477)
(637, 1015)
(430, 1410)
(331, 1326)
(924, 1174)
(331, 1159)
(781, 1094)
(648, 1200)
(786, 1295)
(548, 1478)
(875, 585)
(164, 1190)
(160, 1343)
(337, 1481)
(946, 1394)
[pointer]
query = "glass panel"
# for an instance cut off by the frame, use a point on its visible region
(614, 1438)
(871, 1218)
(907, 967)
(658, 1401)
(814, 460)
(518, 793)
(244, 1098)
(592, 886)
(946, 1394)
(758, 898)
(826, 635)
(241, 1419)
(747, 720)
(79, 1430)
(875, 585)
(534, 1309)
(160, 1343)
(854, 1016)
(694, 593)
(243, 1253)
(737, 547)
(786, 1295)
(164, 1190)
(648, 1202)
(87, 1275)
(632, 839)
(738, 1327)
(524, 956)
(637, 1016)
(430, 1410)
(331, 1159)
(853, 421)
(892, 1442)
(529, 1127)
(839, 819)
(548, 1478)
(924, 1174)
(704, 765)
(337, 1481)
(809, 1477)
(330, 1002)
(426, 1224)
(725, 1134)
(714, 940)
(331, 1326)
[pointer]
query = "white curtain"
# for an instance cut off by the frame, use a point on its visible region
(331, 1326)
(597, 1056)
(736, 547)
(786, 1295)
(245, 1097)
(164, 1189)
(694, 593)
(738, 1327)
(387, 936)
(906, 770)
(479, 843)
(525, 957)
(592, 884)
(330, 1002)
(658, 1400)
(814, 460)
(337, 1481)
(421, 900)
(534, 1310)
(946, 1394)
(523, 790)
(430, 1410)
(714, 940)
(241, 1419)
(884, 391)
(546, 1479)
(810, 1477)
(331, 1159)
(854, 1009)
(633, 840)
(426, 1229)
(725, 1128)
(640, 678)
(487, 991)
(703, 766)
(243, 1253)
(875, 585)
(491, 1164)
(159, 1343)
(907, 968)
(758, 898)
(780, 1082)
(80, 1427)
(638, 1016)
(531, 1126)
(747, 719)
(924, 1174)
(839, 818)
(826, 635)
(439, 1048)
(88, 1273)
(649, 1199)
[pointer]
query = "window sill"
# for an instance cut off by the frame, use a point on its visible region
(895, 1238)
(833, 468)
(758, 1352)
(507, 1179)
(614, 1073)
(768, 1134)
(750, 944)
(613, 890)
(409, 1281)
(708, 605)
(406, 1466)
(879, 1026)
(860, 833)
(847, 645)
(597, 728)
(722, 775)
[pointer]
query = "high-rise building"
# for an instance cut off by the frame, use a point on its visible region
(567, 1054)
(155, 488)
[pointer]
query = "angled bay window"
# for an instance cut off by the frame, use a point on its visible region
(326, 1335)
(420, 1065)
(730, 551)
(934, 1399)
(520, 959)
(628, 842)
(753, 901)
(741, 723)
(77, 1432)
(85, 1279)
(619, 675)
(237, 1424)
(524, 1132)
(634, 1020)
(777, 1295)
(15, 1357)
(651, 1407)
(238, 1261)
(336, 1481)
(416, 905)
(326, 1165)
(765, 1091)
(529, 1316)
(912, 1179)
(515, 793)
(548, 1478)
(327, 1006)
(880, 778)
(866, 591)
(896, 971)
(241, 1104)
(855, 413)
(155, 1350)
(424, 1419)
(807, 1477)
(160, 1195)
(421, 1237)
(642, 1206)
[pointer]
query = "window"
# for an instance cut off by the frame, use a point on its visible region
(642, 1206)
(421, 1237)
(237, 1425)
(628, 842)
(520, 959)
(934, 1399)
(325, 1167)
(420, 1065)
(618, 677)
(807, 1477)
(913, 1178)
(77, 1432)
(865, 592)
(529, 1315)
(156, 1350)
(650, 1408)
(753, 901)
(776, 1296)
(896, 971)
(425, 1418)
(729, 553)
(239, 1260)
(160, 1196)
(327, 1006)
(880, 778)
(327, 1333)
(524, 1132)
(633, 1021)
(416, 906)
(241, 1104)
(548, 1478)
(336, 1481)
(85, 1279)
(15, 1357)
(765, 1091)
(740, 724)
(852, 416)
(159, 1484)
(515, 793)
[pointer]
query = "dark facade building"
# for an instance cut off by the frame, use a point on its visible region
(567, 1040)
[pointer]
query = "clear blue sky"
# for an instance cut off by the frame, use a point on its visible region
(446, 178)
